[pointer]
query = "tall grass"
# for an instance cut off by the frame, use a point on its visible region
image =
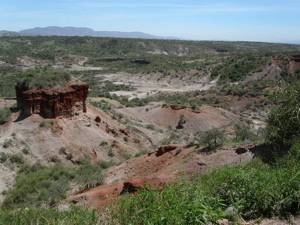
(258, 189)
(176, 204)
(254, 190)
(75, 216)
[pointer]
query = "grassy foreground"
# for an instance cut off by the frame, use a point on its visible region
(253, 191)
(256, 190)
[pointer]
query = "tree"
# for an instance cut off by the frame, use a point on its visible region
(211, 139)
(242, 132)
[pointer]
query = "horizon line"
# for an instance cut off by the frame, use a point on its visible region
(159, 36)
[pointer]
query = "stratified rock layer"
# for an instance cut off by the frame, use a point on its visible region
(52, 102)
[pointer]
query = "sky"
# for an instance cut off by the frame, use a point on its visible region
(248, 20)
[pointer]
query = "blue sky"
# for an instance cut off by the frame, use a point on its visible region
(250, 20)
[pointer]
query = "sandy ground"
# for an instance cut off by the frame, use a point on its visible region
(147, 85)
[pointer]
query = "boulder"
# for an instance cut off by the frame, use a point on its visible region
(133, 186)
(98, 119)
(165, 149)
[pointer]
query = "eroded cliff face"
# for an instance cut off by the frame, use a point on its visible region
(52, 102)
(294, 64)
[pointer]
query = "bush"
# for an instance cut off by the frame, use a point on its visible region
(32, 78)
(43, 78)
(141, 153)
(150, 127)
(16, 158)
(37, 185)
(211, 139)
(236, 68)
(103, 143)
(5, 115)
(234, 89)
(242, 132)
(110, 153)
(34, 188)
(106, 164)
(284, 120)
(26, 150)
(46, 124)
(7, 143)
(257, 189)
(3, 157)
(103, 105)
(89, 175)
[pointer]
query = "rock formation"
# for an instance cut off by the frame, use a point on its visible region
(294, 64)
(52, 102)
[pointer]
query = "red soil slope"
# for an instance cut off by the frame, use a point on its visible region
(166, 165)
(202, 119)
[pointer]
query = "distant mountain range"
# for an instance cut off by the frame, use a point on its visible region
(78, 31)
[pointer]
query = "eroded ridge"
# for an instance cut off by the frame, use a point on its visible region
(52, 102)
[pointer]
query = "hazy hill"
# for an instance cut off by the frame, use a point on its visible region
(79, 31)
(6, 33)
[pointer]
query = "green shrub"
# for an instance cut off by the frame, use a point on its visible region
(284, 120)
(211, 139)
(5, 115)
(46, 124)
(43, 78)
(257, 189)
(141, 153)
(150, 127)
(7, 143)
(89, 175)
(234, 89)
(32, 78)
(26, 150)
(16, 158)
(3, 157)
(243, 132)
(103, 105)
(103, 143)
(236, 68)
(110, 153)
(106, 164)
(37, 185)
